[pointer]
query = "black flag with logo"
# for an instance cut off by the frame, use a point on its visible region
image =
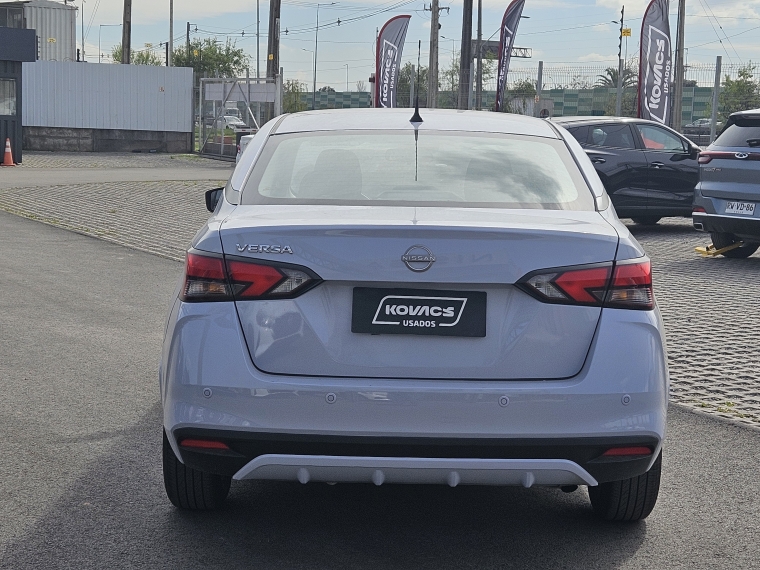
(655, 63)
(390, 44)
(508, 32)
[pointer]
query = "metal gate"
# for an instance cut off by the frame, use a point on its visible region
(232, 107)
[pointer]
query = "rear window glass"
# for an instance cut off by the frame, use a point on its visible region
(745, 133)
(439, 169)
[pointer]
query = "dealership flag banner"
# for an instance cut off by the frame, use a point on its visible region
(655, 63)
(390, 44)
(508, 31)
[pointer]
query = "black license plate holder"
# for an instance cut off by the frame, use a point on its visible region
(418, 312)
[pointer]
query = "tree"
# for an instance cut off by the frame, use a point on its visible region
(209, 58)
(326, 89)
(361, 87)
(610, 77)
(405, 84)
(739, 94)
(142, 57)
(292, 100)
(517, 97)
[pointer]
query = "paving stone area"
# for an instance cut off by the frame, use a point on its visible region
(38, 159)
(710, 306)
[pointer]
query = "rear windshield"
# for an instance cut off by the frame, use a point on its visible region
(744, 132)
(438, 169)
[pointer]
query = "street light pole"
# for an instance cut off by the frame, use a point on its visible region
(346, 77)
(316, 44)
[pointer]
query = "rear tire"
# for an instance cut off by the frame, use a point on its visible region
(721, 240)
(646, 220)
(190, 489)
(628, 500)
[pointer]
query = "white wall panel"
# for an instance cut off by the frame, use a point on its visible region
(107, 96)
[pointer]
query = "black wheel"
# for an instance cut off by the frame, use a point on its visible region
(629, 500)
(721, 240)
(191, 489)
(647, 220)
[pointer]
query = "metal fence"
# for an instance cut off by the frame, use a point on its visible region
(228, 108)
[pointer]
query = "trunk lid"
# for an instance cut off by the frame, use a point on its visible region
(476, 251)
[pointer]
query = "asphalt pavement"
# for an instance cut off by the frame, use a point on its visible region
(81, 324)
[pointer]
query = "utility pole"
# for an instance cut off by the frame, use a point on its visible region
(126, 33)
(479, 56)
(465, 56)
(678, 80)
(170, 45)
(273, 40)
(187, 42)
(433, 61)
(619, 96)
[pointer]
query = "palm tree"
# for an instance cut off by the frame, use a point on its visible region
(610, 78)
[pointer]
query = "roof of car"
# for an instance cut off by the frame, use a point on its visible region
(748, 112)
(433, 119)
(587, 120)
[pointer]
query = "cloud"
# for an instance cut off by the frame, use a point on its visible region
(597, 57)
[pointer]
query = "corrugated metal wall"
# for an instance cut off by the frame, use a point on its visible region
(107, 96)
(56, 28)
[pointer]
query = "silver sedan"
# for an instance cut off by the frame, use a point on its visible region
(446, 301)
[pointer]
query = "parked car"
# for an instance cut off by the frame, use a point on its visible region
(445, 302)
(230, 122)
(727, 199)
(701, 126)
(649, 170)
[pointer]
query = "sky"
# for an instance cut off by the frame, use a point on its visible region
(567, 33)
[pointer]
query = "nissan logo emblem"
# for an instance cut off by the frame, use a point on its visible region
(418, 258)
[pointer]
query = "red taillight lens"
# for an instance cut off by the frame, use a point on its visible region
(584, 285)
(699, 210)
(627, 286)
(209, 278)
(204, 444)
(704, 158)
(205, 279)
(631, 286)
(250, 280)
(627, 451)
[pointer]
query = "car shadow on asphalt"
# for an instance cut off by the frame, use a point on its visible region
(117, 516)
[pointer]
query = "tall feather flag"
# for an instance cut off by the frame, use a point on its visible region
(508, 31)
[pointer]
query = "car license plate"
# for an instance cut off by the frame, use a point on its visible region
(416, 311)
(742, 208)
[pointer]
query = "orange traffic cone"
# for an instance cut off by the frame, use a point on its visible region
(8, 158)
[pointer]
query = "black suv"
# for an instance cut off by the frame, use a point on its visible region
(649, 170)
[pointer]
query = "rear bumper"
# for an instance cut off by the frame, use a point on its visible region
(747, 229)
(618, 398)
(714, 220)
(516, 461)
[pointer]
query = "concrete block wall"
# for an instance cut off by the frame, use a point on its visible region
(104, 140)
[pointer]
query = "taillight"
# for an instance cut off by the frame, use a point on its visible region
(631, 286)
(212, 278)
(205, 279)
(624, 285)
(698, 210)
(704, 158)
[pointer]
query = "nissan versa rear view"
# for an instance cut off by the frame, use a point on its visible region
(450, 301)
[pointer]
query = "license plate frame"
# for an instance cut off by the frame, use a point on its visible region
(434, 312)
(740, 208)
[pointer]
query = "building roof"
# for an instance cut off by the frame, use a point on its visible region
(39, 4)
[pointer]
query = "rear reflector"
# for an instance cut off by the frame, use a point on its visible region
(626, 285)
(627, 451)
(699, 210)
(203, 444)
(212, 278)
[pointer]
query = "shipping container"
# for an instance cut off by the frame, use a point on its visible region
(53, 22)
